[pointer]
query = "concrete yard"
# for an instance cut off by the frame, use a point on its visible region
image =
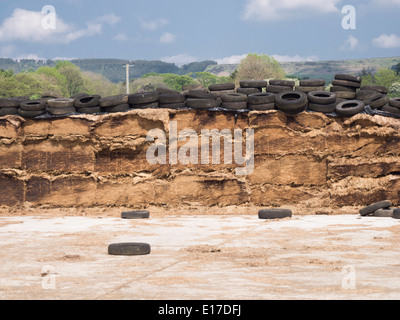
(200, 257)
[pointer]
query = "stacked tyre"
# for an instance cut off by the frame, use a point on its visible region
(118, 103)
(145, 100)
(234, 101)
(291, 102)
(311, 85)
(261, 101)
(172, 101)
(9, 106)
(393, 107)
(60, 107)
(88, 104)
(345, 86)
(251, 86)
(222, 88)
(278, 86)
(375, 97)
(350, 108)
(32, 108)
(322, 101)
(198, 99)
(378, 209)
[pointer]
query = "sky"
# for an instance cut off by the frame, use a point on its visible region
(184, 31)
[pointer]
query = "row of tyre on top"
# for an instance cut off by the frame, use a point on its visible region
(346, 97)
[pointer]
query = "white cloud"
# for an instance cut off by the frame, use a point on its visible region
(180, 59)
(153, 24)
(26, 25)
(121, 37)
(266, 10)
(295, 58)
(387, 41)
(167, 38)
(350, 44)
(231, 59)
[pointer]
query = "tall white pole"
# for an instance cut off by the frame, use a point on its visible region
(127, 78)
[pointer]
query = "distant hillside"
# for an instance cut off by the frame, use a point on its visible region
(320, 69)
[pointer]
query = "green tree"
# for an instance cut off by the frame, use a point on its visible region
(386, 77)
(259, 67)
(74, 79)
(394, 90)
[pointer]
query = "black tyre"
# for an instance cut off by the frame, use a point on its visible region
(312, 83)
(222, 87)
(30, 114)
(129, 249)
(171, 98)
(149, 105)
(347, 77)
(234, 105)
(61, 103)
(321, 97)
(10, 102)
(143, 98)
(34, 105)
(8, 111)
(395, 102)
(113, 101)
(345, 95)
(248, 91)
(309, 89)
(198, 94)
(202, 103)
(60, 111)
(142, 214)
(87, 102)
(350, 108)
(91, 110)
(261, 98)
(346, 83)
(234, 97)
(253, 84)
(373, 207)
(285, 83)
(275, 214)
(173, 105)
(388, 108)
(380, 89)
(365, 95)
(396, 213)
(384, 213)
(278, 89)
(324, 108)
(261, 107)
(119, 108)
(377, 102)
(291, 101)
(341, 88)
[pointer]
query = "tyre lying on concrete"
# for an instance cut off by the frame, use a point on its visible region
(386, 204)
(129, 249)
(274, 214)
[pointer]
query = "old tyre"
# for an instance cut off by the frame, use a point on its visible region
(253, 84)
(10, 102)
(222, 87)
(384, 213)
(396, 213)
(171, 98)
(87, 102)
(347, 77)
(34, 105)
(60, 103)
(373, 207)
(198, 94)
(324, 108)
(149, 105)
(91, 110)
(275, 214)
(345, 95)
(113, 101)
(141, 214)
(8, 111)
(242, 105)
(261, 107)
(291, 101)
(119, 108)
(143, 98)
(285, 83)
(395, 102)
(341, 88)
(60, 111)
(388, 108)
(261, 98)
(30, 114)
(377, 102)
(278, 89)
(309, 89)
(248, 91)
(350, 108)
(346, 83)
(365, 95)
(312, 83)
(202, 103)
(380, 89)
(179, 105)
(234, 97)
(321, 97)
(129, 249)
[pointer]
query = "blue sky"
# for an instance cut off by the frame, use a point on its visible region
(182, 31)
